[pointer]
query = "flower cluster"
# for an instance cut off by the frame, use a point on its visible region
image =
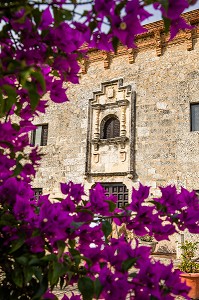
(45, 244)
(42, 43)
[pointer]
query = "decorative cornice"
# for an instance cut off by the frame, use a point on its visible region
(155, 38)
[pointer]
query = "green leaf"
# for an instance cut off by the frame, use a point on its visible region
(10, 91)
(98, 288)
(74, 251)
(167, 23)
(112, 205)
(61, 247)
(39, 77)
(23, 260)
(17, 170)
(16, 244)
(49, 257)
(72, 244)
(7, 220)
(38, 273)
(76, 225)
(61, 15)
(165, 4)
(9, 98)
(86, 287)
(34, 261)
(107, 228)
(128, 263)
(58, 270)
(28, 273)
(115, 43)
(34, 98)
(61, 282)
(41, 290)
(17, 277)
(37, 15)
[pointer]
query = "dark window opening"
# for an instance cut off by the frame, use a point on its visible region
(110, 128)
(119, 190)
(194, 108)
(39, 136)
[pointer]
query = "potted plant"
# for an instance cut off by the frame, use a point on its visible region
(190, 268)
(147, 240)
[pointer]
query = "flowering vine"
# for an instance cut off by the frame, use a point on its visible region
(45, 244)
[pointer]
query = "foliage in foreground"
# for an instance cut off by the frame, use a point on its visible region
(45, 244)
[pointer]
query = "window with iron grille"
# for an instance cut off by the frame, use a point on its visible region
(194, 110)
(110, 128)
(39, 136)
(37, 193)
(119, 190)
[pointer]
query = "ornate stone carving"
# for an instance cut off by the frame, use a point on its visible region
(131, 56)
(189, 37)
(83, 66)
(114, 100)
(106, 56)
(122, 156)
(158, 42)
(96, 157)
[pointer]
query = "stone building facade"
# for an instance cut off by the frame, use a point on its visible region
(133, 118)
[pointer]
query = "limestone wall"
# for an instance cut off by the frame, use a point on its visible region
(165, 80)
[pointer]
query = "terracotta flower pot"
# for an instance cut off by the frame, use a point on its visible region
(192, 280)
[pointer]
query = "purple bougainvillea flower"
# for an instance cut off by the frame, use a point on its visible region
(46, 19)
(36, 244)
(177, 25)
(101, 41)
(58, 93)
(99, 201)
(73, 297)
(138, 197)
(68, 67)
(49, 296)
(115, 284)
(75, 191)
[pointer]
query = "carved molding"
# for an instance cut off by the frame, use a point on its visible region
(131, 56)
(84, 66)
(106, 57)
(155, 38)
(158, 42)
(113, 99)
(189, 35)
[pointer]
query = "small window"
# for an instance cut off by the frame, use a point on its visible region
(39, 136)
(110, 128)
(119, 190)
(194, 117)
(37, 193)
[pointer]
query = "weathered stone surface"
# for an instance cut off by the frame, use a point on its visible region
(163, 150)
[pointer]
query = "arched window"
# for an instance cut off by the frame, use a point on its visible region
(110, 128)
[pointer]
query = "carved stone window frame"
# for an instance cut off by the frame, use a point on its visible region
(93, 132)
